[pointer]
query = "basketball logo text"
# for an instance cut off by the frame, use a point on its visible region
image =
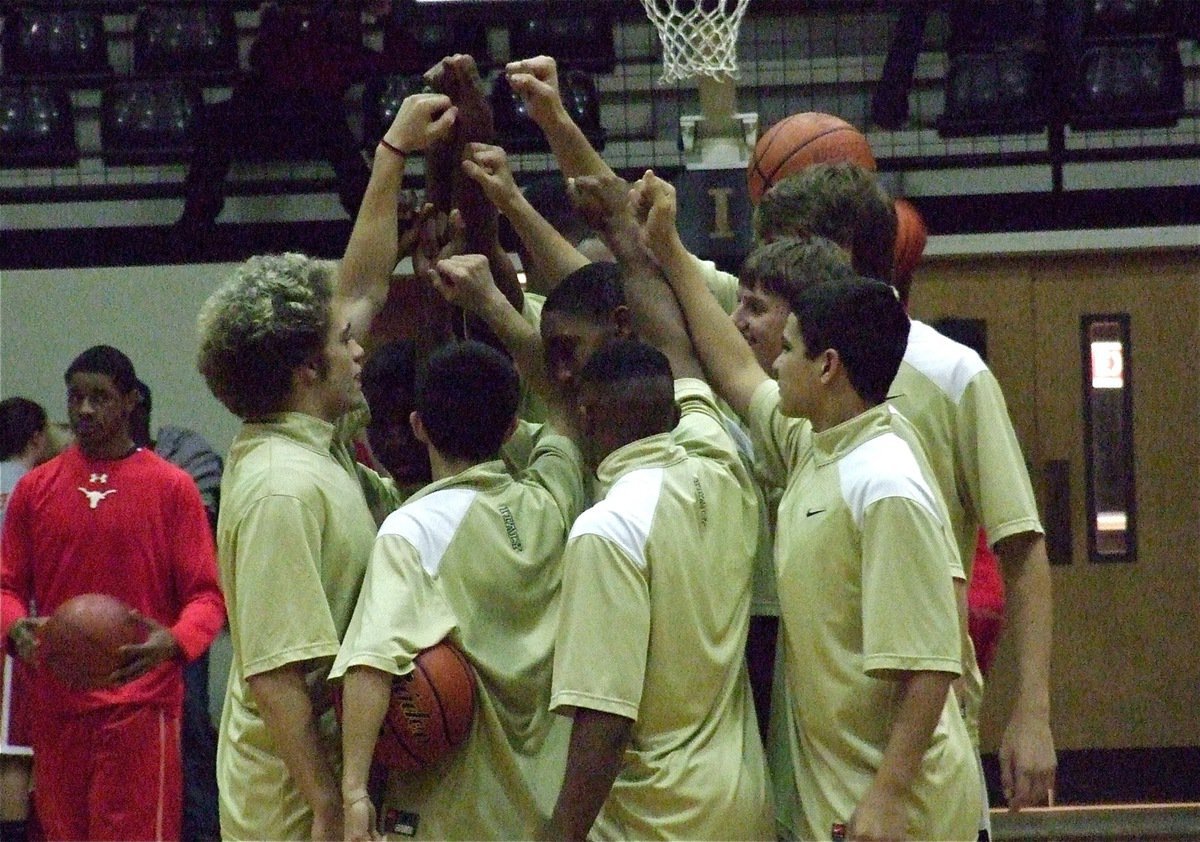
(416, 718)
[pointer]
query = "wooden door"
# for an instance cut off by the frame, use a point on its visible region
(1126, 656)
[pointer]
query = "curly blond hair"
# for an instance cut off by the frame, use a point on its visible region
(269, 317)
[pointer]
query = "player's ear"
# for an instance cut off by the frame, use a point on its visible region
(831, 364)
(130, 401)
(307, 372)
(418, 427)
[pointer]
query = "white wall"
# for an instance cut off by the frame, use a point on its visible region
(48, 317)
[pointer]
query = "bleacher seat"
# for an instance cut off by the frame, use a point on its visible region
(37, 128)
(186, 39)
(582, 41)
(1001, 91)
(149, 121)
(1129, 83)
(1130, 72)
(437, 36)
(52, 43)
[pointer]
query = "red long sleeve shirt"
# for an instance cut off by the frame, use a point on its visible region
(134, 528)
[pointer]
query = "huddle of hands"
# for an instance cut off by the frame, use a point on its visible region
(452, 236)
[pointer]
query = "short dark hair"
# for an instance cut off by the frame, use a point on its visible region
(20, 420)
(593, 292)
(842, 202)
(389, 376)
(107, 360)
(646, 411)
(625, 359)
(467, 396)
(785, 267)
(864, 321)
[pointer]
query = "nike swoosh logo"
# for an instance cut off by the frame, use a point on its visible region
(812, 512)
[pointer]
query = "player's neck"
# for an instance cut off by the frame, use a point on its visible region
(108, 451)
(442, 466)
(838, 408)
(308, 401)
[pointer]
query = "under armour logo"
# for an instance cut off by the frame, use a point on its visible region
(94, 497)
(98, 478)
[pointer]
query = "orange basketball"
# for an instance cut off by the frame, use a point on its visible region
(910, 239)
(80, 642)
(802, 139)
(430, 712)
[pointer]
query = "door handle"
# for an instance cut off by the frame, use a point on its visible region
(1056, 476)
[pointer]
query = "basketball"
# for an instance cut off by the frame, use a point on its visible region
(430, 712)
(910, 239)
(800, 140)
(80, 642)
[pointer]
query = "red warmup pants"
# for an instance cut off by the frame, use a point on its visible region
(112, 773)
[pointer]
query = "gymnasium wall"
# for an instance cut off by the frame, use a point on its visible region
(149, 312)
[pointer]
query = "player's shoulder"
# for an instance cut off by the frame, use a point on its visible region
(950, 365)
(884, 466)
(626, 515)
(431, 521)
(266, 462)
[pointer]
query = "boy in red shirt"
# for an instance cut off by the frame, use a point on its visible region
(108, 516)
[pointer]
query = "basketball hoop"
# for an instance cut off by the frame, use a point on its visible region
(699, 38)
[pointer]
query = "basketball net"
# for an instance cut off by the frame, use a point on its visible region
(699, 39)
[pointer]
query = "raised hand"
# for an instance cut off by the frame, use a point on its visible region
(439, 236)
(465, 281)
(407, 224)
(656, 208)
(487, 166)
(457, 77)
(423, 119)
(535, 80)
(603, 201)
(465, 88)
